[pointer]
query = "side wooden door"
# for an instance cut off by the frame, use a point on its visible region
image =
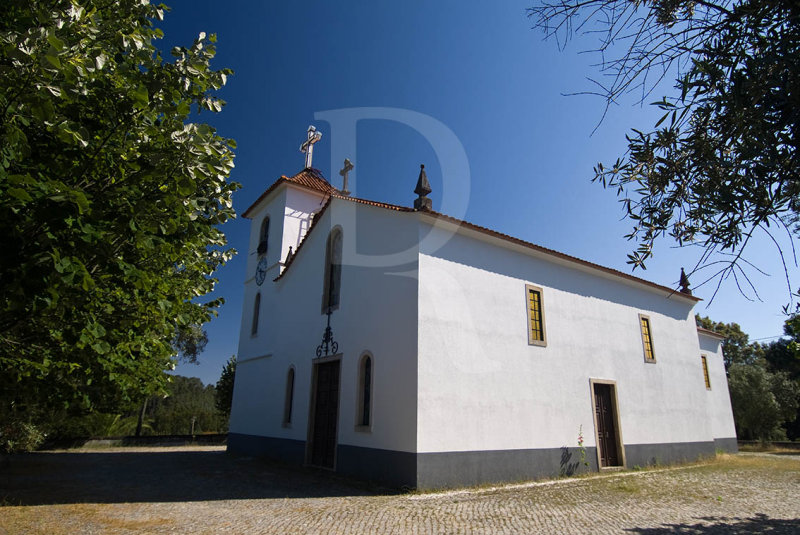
(326, 415)
(605, 419)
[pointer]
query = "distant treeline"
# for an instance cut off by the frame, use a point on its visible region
(189, 408)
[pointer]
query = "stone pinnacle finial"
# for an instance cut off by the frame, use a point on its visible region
(685, 283)
(423, 189)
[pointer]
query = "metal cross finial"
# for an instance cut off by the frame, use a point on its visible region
(348, 166)
(308, 145)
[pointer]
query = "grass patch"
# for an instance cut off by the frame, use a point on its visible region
(690, 483)
(74, 518)
(630, 482)
(627, 485)
(767, 447)
(763, 462)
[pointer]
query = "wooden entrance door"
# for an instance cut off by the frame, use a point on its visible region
(326, 412)
(606, 425)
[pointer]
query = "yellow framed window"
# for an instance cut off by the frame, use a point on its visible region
(535, 308)
(647, 339)
(706, 377)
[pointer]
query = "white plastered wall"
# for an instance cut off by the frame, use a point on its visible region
(289, 209)
(482, 387)
(377, 313)
(299, 206)
(718, 397)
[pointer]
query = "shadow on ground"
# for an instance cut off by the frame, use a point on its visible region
(729, 526)
(163, 476)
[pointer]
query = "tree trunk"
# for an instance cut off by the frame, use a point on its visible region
(141, 418)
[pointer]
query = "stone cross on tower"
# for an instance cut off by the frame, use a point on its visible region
(308, 145)
(348, 166)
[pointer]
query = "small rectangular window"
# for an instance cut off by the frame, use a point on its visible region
(263, 237)
(364, 415)
(256, 312)
(333, 271)
(706, 377)
(647, 339)
(289, 399)
(535, 308)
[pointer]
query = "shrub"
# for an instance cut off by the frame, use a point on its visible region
(20, 436)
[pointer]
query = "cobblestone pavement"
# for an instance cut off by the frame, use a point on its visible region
(204, 490)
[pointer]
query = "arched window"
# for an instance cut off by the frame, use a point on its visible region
(263, 237)
(287, 404)
(364, 416)
(256, 310)
(333, 271)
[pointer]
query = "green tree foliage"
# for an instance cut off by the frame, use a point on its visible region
(722, 163)
(110, 203)
(225, 387)
(95, 424)
(190, 341)
(762, 401)
(188, 400)
(792, 329)
(782, 356)
(170, 413)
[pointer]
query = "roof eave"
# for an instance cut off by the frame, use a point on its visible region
(492, 234)
(710, 334)
(562, 257)
(274, 187)
(252, 208)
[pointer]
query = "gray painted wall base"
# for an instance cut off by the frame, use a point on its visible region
(728, 445)
(280, 449)
(464, 468)
(655, 454)
(394, 468)
(652, 454)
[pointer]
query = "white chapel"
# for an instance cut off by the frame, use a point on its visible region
(400, 345)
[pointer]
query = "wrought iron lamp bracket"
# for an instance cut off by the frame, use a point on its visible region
(328, 346)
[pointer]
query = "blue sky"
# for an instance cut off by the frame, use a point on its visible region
(478, 68)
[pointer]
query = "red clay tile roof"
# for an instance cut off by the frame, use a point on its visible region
(308, 178)
(313, 179)
(395, 207)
